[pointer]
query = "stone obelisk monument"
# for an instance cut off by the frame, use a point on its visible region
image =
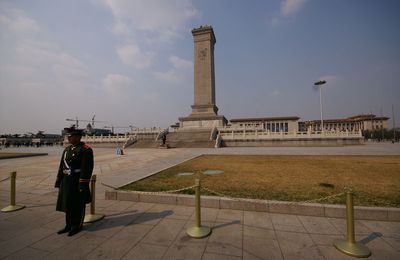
(204, 110)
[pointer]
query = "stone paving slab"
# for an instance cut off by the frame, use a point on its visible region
(236, 234)
(138, 230)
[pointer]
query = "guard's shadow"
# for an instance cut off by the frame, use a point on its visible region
(126, 219)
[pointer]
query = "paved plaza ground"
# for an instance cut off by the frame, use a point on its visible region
(133, 230)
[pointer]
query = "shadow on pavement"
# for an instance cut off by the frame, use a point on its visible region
(126, 219)
(370, 237)
(226, 224)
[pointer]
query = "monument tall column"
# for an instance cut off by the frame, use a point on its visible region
(204, 76)
(204, 110)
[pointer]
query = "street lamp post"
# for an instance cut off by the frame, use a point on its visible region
(319, 84)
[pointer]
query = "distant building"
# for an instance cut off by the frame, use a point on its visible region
(362, 122)
(273, 124)
(291, 123)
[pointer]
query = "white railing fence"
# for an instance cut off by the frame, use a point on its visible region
(122, 138)
(227, 133)
(262, 134)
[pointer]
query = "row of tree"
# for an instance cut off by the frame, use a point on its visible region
(39, 134)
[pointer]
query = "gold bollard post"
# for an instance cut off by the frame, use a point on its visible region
(198, 231)
(12, 206)
(350, 246)
(92, 217)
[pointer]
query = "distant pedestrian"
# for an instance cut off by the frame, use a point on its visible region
(120, 151)
(74, 173)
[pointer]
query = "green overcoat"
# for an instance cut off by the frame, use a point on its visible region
(74, 173)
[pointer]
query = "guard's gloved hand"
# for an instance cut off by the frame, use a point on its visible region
(57, 184)
(83, 186)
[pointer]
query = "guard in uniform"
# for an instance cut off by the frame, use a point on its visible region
(73, 179)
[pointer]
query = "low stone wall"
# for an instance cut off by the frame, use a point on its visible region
(105, 145)
(306, 209)
(292, 142)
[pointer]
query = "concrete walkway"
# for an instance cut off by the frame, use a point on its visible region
(133, 230)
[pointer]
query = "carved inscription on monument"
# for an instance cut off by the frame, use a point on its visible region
(202, 53)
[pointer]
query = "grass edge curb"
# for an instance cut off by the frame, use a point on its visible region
(281, 207)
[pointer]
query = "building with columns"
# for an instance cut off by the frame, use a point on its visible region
(273, 124)
(361, 122)
(368, 122)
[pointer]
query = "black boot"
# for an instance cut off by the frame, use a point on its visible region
(73, 232)
(64, 230)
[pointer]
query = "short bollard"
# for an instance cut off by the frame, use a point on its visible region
(350, 246)
(198, 231)
(92, 217)
(12, 206)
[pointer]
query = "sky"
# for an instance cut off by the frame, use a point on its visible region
(130, 62)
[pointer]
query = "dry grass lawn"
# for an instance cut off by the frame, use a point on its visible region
(376, 179)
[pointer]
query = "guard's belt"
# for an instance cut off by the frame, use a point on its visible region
(69, 171)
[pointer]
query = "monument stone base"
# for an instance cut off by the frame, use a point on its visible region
(196, 122)
(204, 110)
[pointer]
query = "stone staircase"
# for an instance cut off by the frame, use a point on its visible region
(145, 140)
(145, 144)
(193, 138)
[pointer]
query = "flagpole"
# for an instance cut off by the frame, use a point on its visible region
(319, 85)
(320, 104)
(394, 125)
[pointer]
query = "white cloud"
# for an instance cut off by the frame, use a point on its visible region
(131, 55)
(291, 7)
(116, 81)
(144, 24)
(154, 15)
(121, 29)
(42, 53)
(180, 63)
(16, 21)
(174, 75)
(35, 69)
(44, 83)
(37, 76)
(169, 76)
(54, 69)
